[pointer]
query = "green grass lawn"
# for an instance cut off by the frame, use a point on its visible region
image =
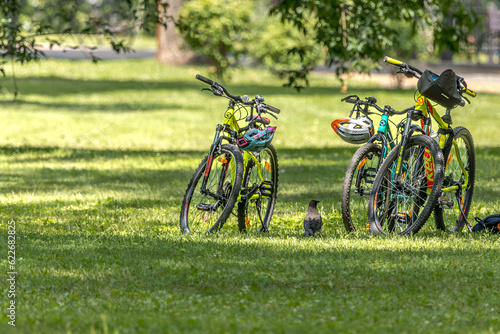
(94, 162)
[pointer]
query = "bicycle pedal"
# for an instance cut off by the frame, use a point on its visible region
(403, 217)
(445, 203)
(204, 207)
(362, 192)
(266, 188)
(371, 172)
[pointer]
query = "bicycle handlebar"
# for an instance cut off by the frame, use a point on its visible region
(405, 68)
(218, 89)
(371, 102)
(205, 80)
(273, 109)
(401, 64)
(470, 92)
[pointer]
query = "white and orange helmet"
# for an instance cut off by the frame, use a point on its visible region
(353, 130)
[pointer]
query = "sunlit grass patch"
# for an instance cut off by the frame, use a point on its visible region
(95, 160)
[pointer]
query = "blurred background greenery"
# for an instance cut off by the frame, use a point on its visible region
(288, 38)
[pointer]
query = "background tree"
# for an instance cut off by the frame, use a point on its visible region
(217, 29)
(169, 44)
(355, 33)
(350, 35)
(274, 44)
(234, 32)
(25, 24)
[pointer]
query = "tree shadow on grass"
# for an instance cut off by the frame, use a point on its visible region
(48, 179)
(108, 108)
(313, 172)
(169, 276)
(56, 87)
(25, 154)
(80, 275)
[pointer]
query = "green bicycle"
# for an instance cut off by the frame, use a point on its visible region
(420, 176)
(367, 160)
(242, 171)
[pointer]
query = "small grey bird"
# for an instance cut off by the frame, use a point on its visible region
(312, 220)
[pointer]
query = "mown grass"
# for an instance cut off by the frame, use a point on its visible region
(95, 159)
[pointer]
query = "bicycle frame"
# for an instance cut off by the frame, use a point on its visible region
(445, 95)
(384, 135)
(446, 140)
(231, 126)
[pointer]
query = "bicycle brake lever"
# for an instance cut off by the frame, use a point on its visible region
(406, 72)
(213, 91)
(217, 90)
(263, 108)
(269, 113)
(409, 75)
(349, 97)
(462, 82)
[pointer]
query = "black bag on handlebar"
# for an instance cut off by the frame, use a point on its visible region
(441, 89)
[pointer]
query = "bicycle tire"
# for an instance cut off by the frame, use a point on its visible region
(248, 215)
(405, 207)
(357, 186)
(444, 216)
(198, 211)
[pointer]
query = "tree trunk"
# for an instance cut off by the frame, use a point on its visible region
(169, 42)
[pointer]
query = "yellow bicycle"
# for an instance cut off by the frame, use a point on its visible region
(420, 176)
(241, 168)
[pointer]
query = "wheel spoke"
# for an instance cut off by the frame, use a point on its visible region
(403, 202)
(260, 190)
(207, 209)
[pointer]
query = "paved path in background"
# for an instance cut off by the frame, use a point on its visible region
(478, 82)
(104, 54)
(480, 78)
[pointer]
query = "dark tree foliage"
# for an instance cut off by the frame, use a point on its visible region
(355, 33)
(24, 24)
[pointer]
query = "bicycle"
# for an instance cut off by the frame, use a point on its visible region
(242, 170)
(411, 182)
(367, 160)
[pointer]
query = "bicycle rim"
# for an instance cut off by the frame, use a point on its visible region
(357, 186)
(447, 213)
(256, 212)
(403, 205)
(208, 211)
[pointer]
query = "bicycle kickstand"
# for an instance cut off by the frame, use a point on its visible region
(462, 214)
(259, 208)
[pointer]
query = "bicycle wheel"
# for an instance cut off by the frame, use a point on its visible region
(403, 206)
(256, 211)
(207, 211)
(447, 212)
(358, 185)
